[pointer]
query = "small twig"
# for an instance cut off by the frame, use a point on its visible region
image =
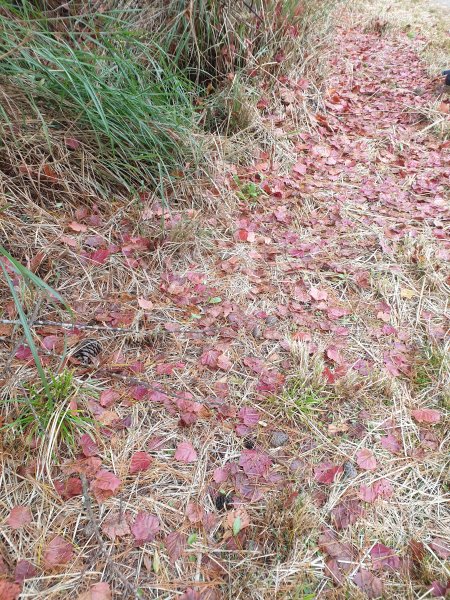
(69, 325)
(98, 536)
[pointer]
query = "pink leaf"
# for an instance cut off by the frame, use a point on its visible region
(58, 552)
(223, 362)
(372, 586)
(23, 353)
(220, 475)
(441, 547)
(99, 591)
(426, 415)
(100, 256)
(24, 570)
(254, 462)
(50, 341)
(299, 168)
(439, 590)
(194, 512)
(145, 304)
(8, 590)
(346, 513)
(326, 472)
(108, 397)
(140, 461)
(145, 527)
(115, 525)
(19, 517)
(384, 557)
(366, 460)
(185, 452)
(104, 485)
(88, 446)
(78, 227)
(175, 543)
(333, 354)
(367, 493)
(391, 443)
(249, 416)
(72, 143)
(318, 294)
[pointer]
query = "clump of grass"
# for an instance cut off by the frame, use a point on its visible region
(428, 368)
(299, 399)
(118, 90)
(248, 191)
(213, 38)
(47, 412)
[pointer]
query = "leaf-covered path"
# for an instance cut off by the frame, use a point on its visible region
(278, 429)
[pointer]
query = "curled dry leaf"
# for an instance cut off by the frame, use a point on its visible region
(58, 552)
(19, 517)
(115, 525)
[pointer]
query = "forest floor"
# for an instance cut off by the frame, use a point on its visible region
(271, 419)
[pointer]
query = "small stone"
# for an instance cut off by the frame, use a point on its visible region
(349, 470)
(271, 320)
(279, 438)
(257, 332)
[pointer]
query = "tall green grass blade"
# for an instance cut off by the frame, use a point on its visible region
(27, 331)
(37, 281)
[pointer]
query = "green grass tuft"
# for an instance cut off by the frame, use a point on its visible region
(42, 414)
(112, 85)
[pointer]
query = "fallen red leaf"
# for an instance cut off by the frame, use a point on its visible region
(326, 472)
(145, 527)
(19, 517)
(185, 452)
(366, 460)
(24, 570)
(372, 586)
(115, 525)
(254, 462)
(426, 415)
(175, 543)
(384, 558)
(105, 485)
(78, 227)
(140, 461)
(88, 446)
(9, 590)
(58, 552)
(194, 512)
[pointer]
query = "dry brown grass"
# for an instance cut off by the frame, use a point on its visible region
(280, 558)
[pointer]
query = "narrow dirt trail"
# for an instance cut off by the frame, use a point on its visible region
(284, 433)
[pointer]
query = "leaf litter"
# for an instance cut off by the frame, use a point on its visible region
(310, 311)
